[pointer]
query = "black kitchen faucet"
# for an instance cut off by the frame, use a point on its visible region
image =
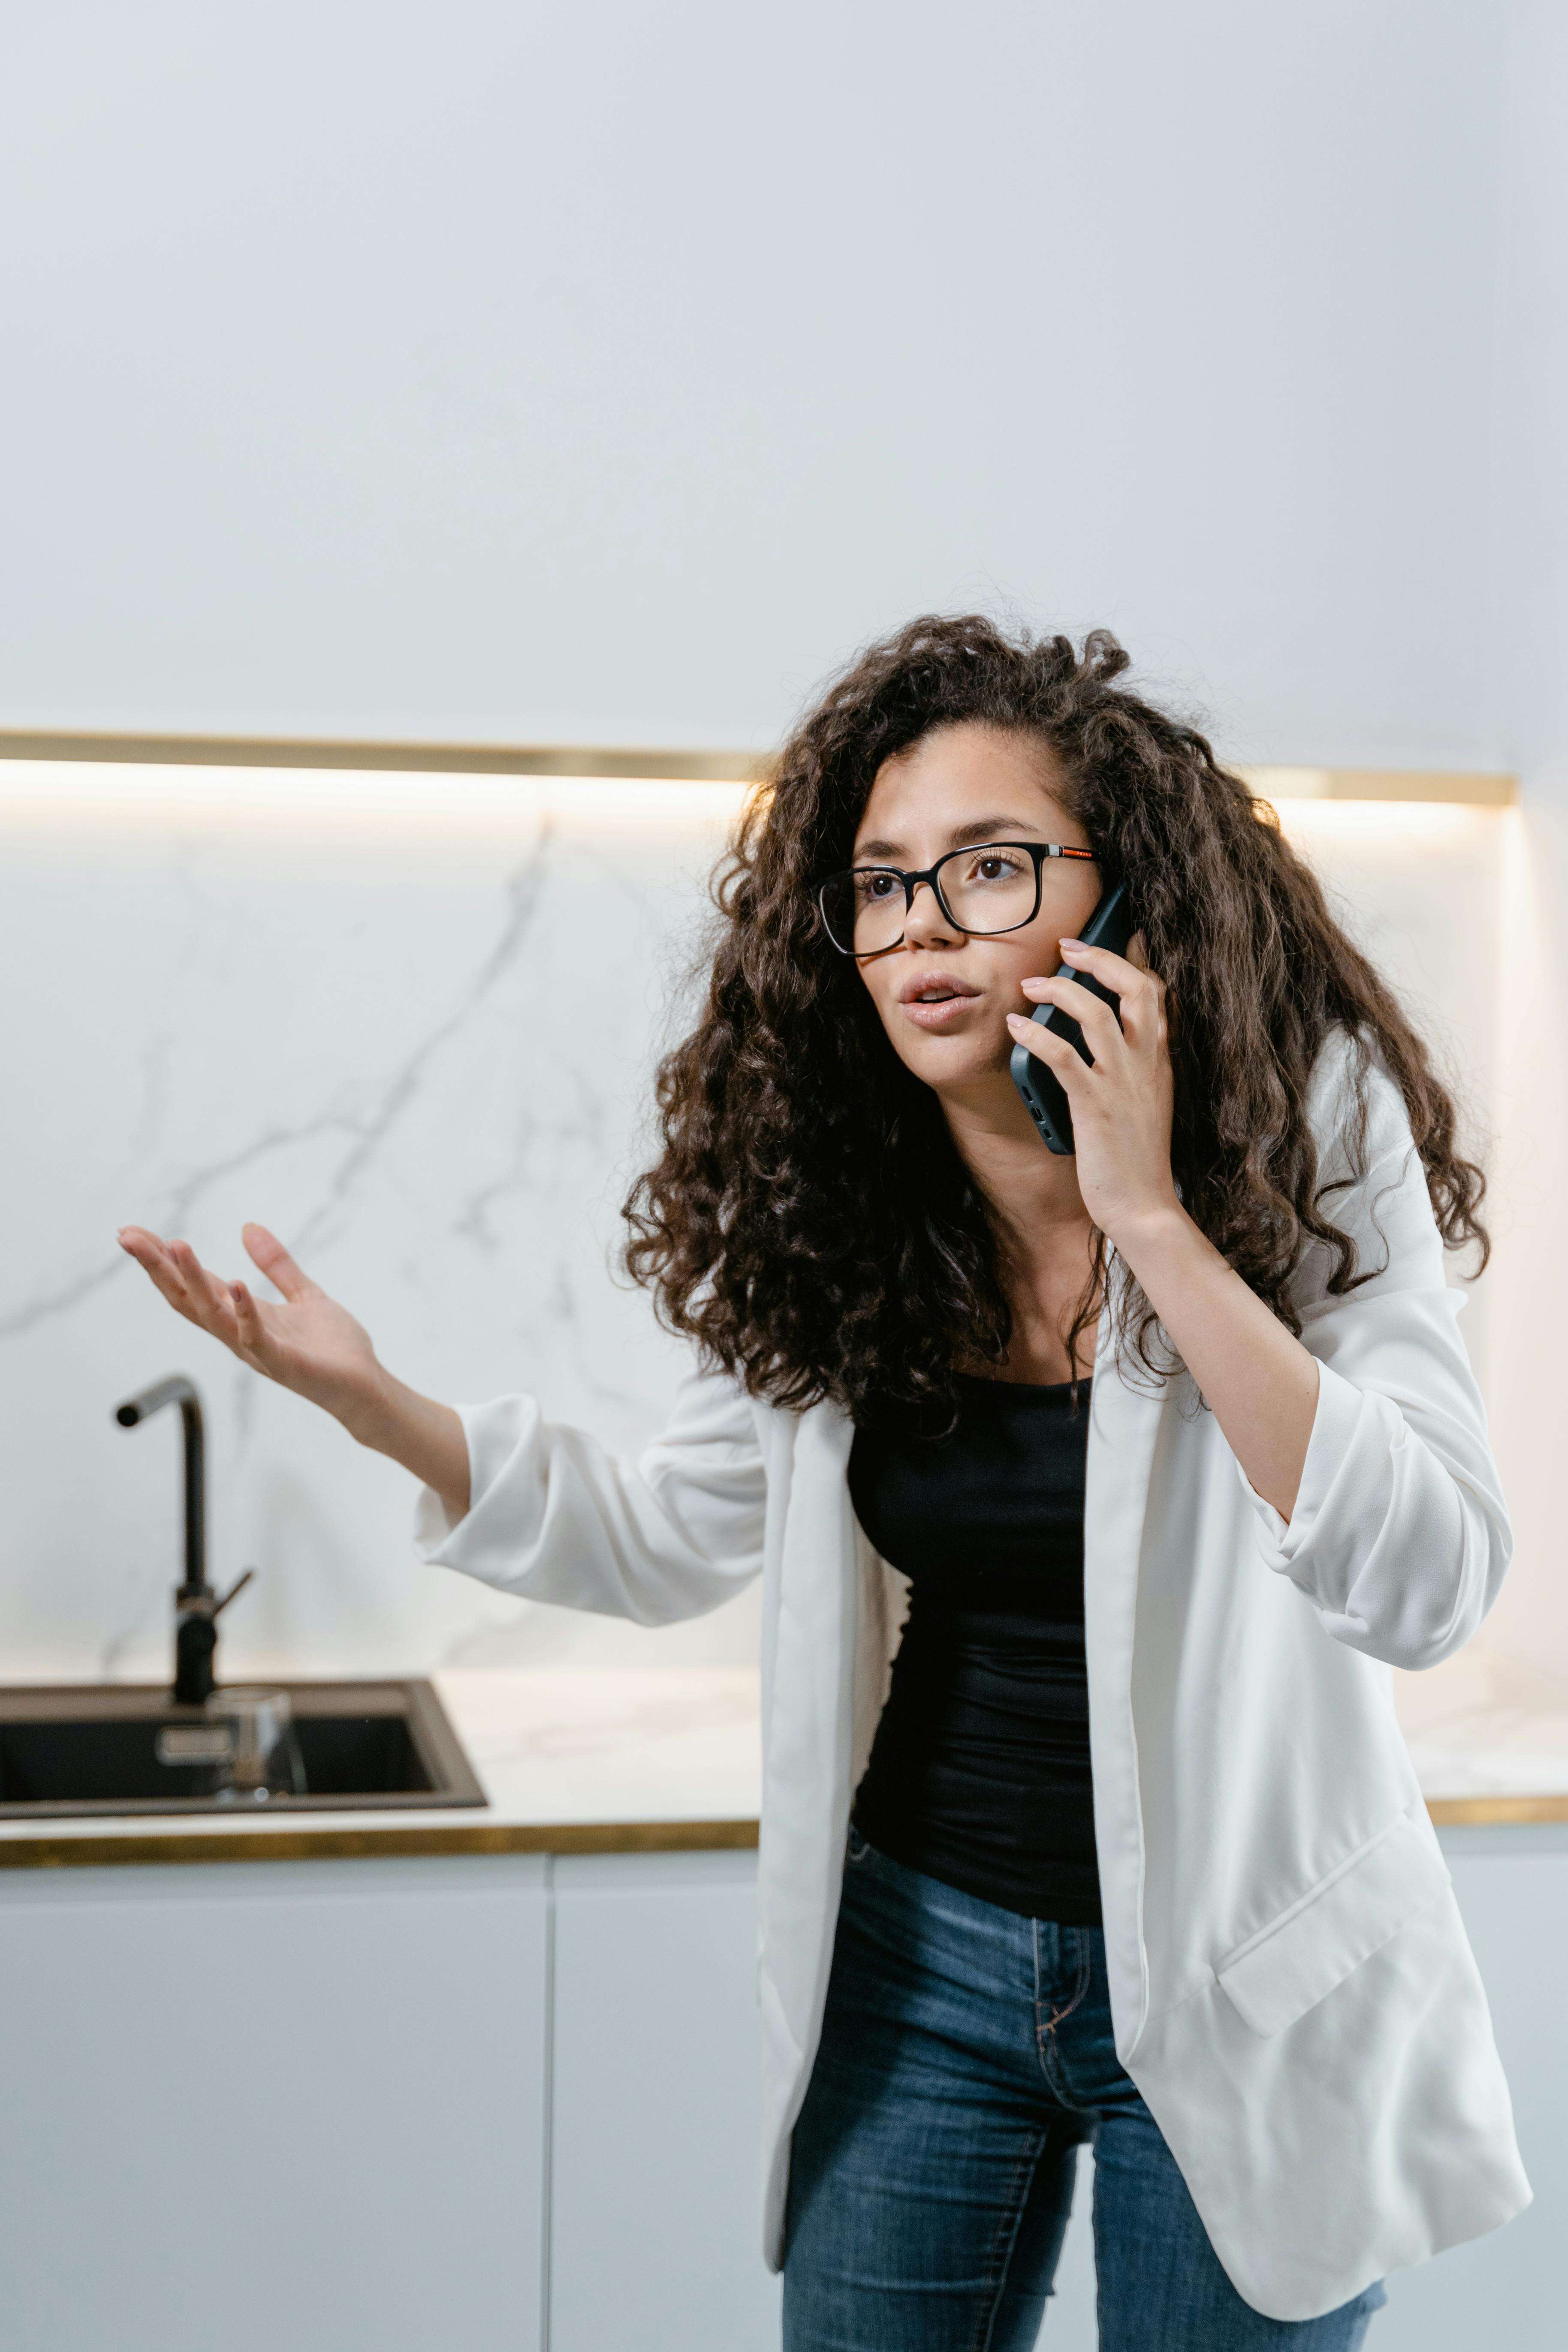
(196, 1605)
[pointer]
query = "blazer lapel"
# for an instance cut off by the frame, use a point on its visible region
(806, 1794)
(1125, 1421)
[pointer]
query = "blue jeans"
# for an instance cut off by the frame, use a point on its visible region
(965, 2052)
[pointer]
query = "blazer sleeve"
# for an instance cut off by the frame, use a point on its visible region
(552, 1515)
(1400, 1537)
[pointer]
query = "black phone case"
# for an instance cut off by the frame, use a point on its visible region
(1045, 1098)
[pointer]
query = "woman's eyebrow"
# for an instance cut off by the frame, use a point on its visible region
(988, 828)
(983, 828)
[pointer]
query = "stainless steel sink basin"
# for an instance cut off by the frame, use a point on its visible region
(92, 1748)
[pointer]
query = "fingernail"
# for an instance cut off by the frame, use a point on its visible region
(1068, 945)
(1017, 1021)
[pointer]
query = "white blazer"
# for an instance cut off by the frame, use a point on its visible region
(1292, 1991)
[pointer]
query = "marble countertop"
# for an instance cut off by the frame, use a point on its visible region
(1489, 1736)
(579, 1760)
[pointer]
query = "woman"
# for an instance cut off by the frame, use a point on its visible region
(1176, 1446)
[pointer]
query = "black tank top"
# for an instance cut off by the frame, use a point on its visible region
(980, 1772)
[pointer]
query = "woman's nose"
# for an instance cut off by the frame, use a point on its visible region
(925, 925)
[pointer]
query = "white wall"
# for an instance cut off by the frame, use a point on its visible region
(463, 368)
(1530, 625)
(480, 370)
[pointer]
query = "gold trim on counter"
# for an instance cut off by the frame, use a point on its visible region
(1484, 788)
(337, 1845)
(1487, 1812)
(572, 1837)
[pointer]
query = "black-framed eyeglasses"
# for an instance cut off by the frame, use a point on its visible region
(990, 886)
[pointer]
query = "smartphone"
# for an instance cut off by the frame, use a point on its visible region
(1045, 1098)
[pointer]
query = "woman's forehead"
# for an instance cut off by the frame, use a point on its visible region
(958, 777)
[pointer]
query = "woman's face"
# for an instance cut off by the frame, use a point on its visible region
(943, 995)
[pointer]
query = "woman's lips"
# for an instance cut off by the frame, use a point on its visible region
(944, 1007)
(942, 1013)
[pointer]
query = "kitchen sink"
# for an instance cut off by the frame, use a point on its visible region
(94, 1748)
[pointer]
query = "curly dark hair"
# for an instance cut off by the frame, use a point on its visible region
(809, 1221)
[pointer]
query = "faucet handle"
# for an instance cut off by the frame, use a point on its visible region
(195, 1638)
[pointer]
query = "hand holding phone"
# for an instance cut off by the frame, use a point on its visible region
(1045, 1098)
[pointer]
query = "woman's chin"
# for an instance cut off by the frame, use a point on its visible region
(958, 1065)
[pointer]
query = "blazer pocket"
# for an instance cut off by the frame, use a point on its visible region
(1279, 1975)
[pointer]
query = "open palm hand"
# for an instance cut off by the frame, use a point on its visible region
(305, 1342)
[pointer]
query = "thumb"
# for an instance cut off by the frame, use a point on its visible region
(266, 1251)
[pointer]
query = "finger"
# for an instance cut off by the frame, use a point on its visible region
(1100, 1027)
(1138, 991)
(213, 1308)
(155, 1257)
(1138, 955)
(1055, 1052)
(1118, 973)
(256, 1342)
(149, 1250)
(152, 1255)
(264, 1250)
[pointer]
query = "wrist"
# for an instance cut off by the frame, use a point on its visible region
(426, 1438)
(1155, 1236)
(371, 1412)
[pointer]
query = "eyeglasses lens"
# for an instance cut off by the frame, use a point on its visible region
(991, 888)
(988, 888)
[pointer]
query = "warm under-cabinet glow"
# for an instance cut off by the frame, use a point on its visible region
(47, 793)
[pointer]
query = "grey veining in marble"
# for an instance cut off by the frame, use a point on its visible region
(410, 1024)
(417, 1046)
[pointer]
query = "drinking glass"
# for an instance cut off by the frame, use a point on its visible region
(263, 1759)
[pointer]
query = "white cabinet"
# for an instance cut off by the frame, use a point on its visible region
(1510, 2287)
(275, 2107)
(655, 2227)
(656, 2167)
(498, 2102)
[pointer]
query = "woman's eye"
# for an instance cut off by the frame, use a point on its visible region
(993, 869)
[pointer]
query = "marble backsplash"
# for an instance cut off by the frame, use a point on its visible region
(405, 1022)
(408, 1023)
